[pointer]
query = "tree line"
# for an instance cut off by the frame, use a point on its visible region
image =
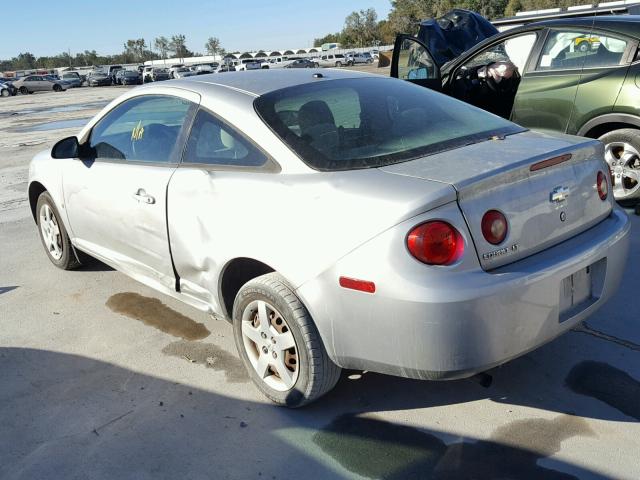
(362, 28)
(134, 51)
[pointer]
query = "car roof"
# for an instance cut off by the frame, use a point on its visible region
(628, 25)
(260, 82)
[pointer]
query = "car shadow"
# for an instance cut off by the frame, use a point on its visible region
(69, 416)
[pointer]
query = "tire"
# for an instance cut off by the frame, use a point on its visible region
(4, 93)
(584, 46)
(65, 257)
(316, 65)
(338, 64)
(24, 90)
(314, 375)
(57, 88)
(625, 140)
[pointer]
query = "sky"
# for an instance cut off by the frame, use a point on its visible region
(51, 27)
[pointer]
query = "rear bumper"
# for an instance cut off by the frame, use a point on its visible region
(465, 322)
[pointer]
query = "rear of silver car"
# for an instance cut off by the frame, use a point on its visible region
(561, 259)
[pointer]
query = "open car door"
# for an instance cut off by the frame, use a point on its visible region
(413, 62)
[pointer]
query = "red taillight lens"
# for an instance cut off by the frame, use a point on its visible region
(494, 227)
(603, 186)
(435, 243)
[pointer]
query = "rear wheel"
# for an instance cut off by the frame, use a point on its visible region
(24, 90)
(338, 64)
(53, 235)
(279, 343)
(4, 92)
(57, 88)
(622, 153)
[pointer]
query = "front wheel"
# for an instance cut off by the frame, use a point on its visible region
(279, 344)
(622, 153)
(24, 90)
(57, 88)
(338, 64)
(4, 93)
(53, 235)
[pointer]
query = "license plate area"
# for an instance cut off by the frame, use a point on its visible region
(581, 289)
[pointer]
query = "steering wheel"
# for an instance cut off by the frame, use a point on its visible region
(151, 141)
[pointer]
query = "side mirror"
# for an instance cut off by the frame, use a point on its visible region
(66, 148)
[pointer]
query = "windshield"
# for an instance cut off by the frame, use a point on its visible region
(372, 122)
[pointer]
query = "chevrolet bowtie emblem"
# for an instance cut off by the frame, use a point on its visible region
(559, 194)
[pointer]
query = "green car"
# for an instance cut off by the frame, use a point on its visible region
(541, 77)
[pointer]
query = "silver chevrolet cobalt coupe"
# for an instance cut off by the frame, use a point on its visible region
(339, 220)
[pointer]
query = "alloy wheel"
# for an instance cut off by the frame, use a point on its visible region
(50, 232)
(270, 345)
(624, 162)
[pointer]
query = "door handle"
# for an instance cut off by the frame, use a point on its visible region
(141, 196)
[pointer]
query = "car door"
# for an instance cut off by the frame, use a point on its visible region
(115, 194)
(546, 96)
(215, 194)
(413, 62)
(603, 74)
(34, 83)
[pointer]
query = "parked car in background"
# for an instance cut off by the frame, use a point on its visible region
(128, 77)
(225, 68)
(549, 76)
(173, 68)
(7, 89)
(160, 74)
(456, 241)
(302, 63)
(40, 83)
(359, 58)
(98, 79)
(332, 60)
(73, 78)
(204, 68)
(278, 62)
(183, 72)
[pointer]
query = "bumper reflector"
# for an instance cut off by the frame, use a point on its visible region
(355, 284)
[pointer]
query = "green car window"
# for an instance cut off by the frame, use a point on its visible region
(571, 50)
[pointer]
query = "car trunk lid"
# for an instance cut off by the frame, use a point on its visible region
(521, 176)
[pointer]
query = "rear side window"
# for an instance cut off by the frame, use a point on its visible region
(213, 143)
(570, 50)
(143, 129)
(372, 122)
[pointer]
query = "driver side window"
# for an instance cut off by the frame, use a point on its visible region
(142, 129)
(514, 49)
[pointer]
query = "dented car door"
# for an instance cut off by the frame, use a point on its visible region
(116, 194)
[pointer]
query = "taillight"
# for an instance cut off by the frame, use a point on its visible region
(435, 243)
(602, 185)
(494, 227)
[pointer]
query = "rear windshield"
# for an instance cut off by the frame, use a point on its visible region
(372, 122)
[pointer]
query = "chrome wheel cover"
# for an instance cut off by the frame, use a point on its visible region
(624, 162)
(50, 232)
(270, 346)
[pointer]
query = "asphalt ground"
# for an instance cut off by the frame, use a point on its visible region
(89, 390)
